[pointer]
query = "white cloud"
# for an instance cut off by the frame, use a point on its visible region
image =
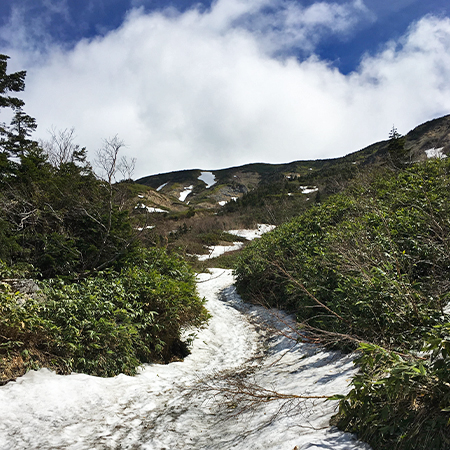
(201, 90)
(287, 24)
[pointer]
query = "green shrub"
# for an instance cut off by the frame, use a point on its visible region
(401, 401)
(107, 324)
(371, 265)
(377, 256)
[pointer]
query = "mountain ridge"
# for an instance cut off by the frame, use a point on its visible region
(234, 182)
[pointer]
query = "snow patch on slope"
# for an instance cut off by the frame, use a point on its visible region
(150, 209)
(148, 227)
(224, 202)
(306, 190)
(160, 187)
(254, 233)
(436, 153)
(218, 250)
(187, 190)
(208, 178)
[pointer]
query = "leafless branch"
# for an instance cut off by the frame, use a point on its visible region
(303, 288)
(60, 148)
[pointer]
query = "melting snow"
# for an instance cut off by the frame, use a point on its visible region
(224, 202)
(436, 153)
(160, 187)
(182, 404)
(218, 250)
(208, 178)
(185, 193)
(150, 209)
(215, 251)
(306, 190)
(252, 234)
(148, 227)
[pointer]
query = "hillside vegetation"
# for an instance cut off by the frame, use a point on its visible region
(369, 268)
(243, 196)
(91, 277)
(101, 302)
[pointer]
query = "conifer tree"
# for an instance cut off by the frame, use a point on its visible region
(14, 82)
(397, 152)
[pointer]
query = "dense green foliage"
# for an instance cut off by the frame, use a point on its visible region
(104, 325)
(371, 264)
(55, 213)
(105, 305)
(401, 401)
(59, 218)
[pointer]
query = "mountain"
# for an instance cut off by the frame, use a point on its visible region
(202, 189)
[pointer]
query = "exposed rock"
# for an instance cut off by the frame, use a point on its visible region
(25, 286)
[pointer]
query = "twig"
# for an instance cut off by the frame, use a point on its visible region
(301, 286)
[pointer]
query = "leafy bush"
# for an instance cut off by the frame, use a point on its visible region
(58, 219)
(401, 401)
(372, 265)
(103, 325)
(22, 331)
(377, 256)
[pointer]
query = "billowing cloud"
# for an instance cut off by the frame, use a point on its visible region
(284, 25)
(208, 89)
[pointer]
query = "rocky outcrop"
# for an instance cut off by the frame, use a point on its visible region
(25, 286)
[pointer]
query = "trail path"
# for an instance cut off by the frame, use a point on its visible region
(168, 407)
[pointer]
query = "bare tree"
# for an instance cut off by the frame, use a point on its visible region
(61, 148)
(126, 167)
(108, 159)
(109, 164)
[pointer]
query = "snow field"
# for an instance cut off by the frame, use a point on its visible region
(218, 250)
(208, 178)
(170, 406)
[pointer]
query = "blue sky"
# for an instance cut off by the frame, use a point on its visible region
(214, 84)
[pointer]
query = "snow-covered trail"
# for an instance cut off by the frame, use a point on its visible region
(167, 407)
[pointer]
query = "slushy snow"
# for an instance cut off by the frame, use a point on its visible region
(180, 405)
(186, 404)
(208, 178)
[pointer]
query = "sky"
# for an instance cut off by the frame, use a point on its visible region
(210, 85)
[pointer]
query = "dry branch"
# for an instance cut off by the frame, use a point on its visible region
(303, 288)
